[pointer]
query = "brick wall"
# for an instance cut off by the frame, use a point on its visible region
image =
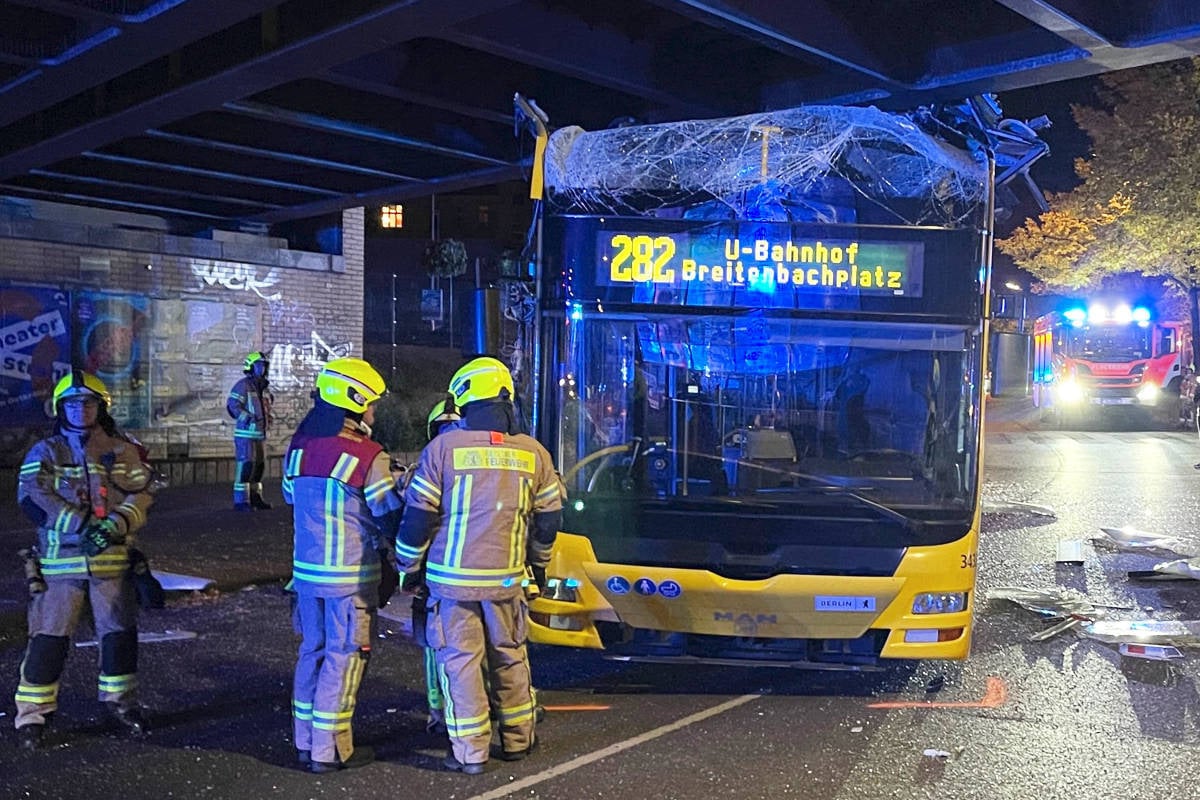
(166, 321)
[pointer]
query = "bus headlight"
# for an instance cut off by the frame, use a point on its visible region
(1148, 394)
(1069, 392)
(939, 602)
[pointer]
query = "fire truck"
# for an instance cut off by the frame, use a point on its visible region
(1091, 357)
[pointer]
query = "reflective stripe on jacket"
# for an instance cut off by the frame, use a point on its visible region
(249, 403)
(74, 479)
(341, 489)
(485, 487)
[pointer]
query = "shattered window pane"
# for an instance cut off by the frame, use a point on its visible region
(804, 164)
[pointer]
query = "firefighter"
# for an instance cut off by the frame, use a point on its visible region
(249, 403)
(87, 488)
(345, 509)
(483, 504)
(442, 416)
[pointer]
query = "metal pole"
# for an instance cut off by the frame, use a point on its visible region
(394, 318)
(535, 373)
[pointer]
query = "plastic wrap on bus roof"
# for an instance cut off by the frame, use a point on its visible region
(801, 164)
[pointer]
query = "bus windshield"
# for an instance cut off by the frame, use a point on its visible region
(748, 414)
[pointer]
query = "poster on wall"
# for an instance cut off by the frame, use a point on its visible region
(35, 351)
(111, 341)
(431, 305)
(198, 349)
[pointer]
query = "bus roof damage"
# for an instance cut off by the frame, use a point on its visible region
(929, 167)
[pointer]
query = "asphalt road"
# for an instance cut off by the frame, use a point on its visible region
(1066, 718)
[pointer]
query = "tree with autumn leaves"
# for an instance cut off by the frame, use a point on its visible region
(1137, 208)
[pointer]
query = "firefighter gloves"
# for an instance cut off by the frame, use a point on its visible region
(539, 576)
(414, 583)
(98, 536)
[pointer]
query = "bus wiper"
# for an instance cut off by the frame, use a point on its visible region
(884, 511)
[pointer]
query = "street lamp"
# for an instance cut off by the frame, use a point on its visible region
(1016, 287)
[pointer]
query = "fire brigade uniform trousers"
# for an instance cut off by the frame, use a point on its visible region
(53, 617)
(433, 690)
(337, 634)
(465, 634)
(251, 464)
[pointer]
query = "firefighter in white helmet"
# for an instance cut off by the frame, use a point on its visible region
(483, 504)
(87, 488)
(345, 509)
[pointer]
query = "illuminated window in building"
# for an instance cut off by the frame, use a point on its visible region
(391, 217)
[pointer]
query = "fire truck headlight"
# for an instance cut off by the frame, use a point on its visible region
(939, 602)
(1069, 392)
(1148, 394)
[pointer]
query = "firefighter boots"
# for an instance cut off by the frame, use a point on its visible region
(359, 758)
(131, 719)
(258, 504)
(30, 736)
(454, 765)
(515, 755)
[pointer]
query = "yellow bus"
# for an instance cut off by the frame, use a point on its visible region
(758, 359)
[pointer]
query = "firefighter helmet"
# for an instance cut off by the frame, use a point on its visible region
(483, 378)
(78, 383)
(350, 383)
(253, 358)
(440, 415)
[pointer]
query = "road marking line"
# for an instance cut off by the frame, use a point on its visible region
(994, 697)
(588, 758)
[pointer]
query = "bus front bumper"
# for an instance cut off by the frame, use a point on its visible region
(694, 614)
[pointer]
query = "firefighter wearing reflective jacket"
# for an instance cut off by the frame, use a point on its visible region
(88, 489)
(443, 416)
(482, 505)
(249, 404)
(345, 509)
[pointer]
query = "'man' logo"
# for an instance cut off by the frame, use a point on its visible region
(744, 618)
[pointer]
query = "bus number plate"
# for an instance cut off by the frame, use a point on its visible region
(838, 602)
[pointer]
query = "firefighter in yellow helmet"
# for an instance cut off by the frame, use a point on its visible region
(87, 488)
(249, 404)
(345, 510)
(483, 504)
(442, 416)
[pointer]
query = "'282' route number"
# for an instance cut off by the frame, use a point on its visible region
(642, 258)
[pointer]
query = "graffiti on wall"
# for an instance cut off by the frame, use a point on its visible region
(294, 370)
(236, 278)
(35, 351)
(291, 312)
(112, 342)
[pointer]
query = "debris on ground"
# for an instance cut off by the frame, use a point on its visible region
(1181, 569)
(1131, 540)
(174, 582)
(1013, 507)
(1070, 551)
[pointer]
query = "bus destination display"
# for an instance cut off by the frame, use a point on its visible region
(763, 263)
